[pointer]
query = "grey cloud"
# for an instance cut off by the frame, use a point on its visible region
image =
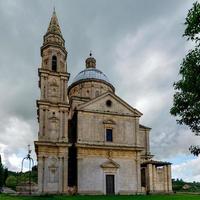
(100, 26)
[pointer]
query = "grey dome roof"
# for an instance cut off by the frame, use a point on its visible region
(91, 73)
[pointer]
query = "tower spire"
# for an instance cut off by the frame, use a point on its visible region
(53, 36)
(54, 26)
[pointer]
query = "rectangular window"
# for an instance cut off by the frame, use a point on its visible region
(109, 136)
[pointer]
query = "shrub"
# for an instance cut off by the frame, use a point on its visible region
(11, 182)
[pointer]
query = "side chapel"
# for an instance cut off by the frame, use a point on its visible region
(89, 138)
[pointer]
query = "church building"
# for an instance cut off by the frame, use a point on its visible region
(90, 139)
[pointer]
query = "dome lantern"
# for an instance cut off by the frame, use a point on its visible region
(90, 62)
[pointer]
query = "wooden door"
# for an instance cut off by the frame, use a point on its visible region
(110, 184)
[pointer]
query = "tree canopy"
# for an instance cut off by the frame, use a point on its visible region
(1, 174)
(186, 104)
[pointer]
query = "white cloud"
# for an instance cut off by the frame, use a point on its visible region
(15, 135)
(15, 162)
(188, 171)
(2, 149)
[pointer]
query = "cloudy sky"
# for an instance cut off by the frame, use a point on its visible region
(137, 44)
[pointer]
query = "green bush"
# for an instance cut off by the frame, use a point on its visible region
(11, 182)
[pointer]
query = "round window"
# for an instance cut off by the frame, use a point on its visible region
(109, 103)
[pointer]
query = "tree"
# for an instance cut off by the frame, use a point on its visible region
(5, 175)
(186, 102)
(1, 175)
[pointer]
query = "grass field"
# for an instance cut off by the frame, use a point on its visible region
(137, 197)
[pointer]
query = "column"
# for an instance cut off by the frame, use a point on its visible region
(61, 89)
(65, 173)
(138, 173)
(45, 173)
(64, 92)
(45, 125)
(46, 87)
(147, 138)
(154, 177)
(65, 126)
(40, 174)
(61, 124)
(44, 122)
(60, 188)
(165, 179)
(136, 130)
(65, 135)
(42, 86)
(169, 178)
(41, 122)
(150, 178)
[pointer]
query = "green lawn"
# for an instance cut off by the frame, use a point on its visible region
(137, 197)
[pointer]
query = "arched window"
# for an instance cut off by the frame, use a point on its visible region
(54, 63)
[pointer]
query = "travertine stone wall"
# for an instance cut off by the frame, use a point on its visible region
(144, 140)
(52, 169)
(92, 126)
(91, 176)
(90, 89)
(47, 54)
(53, 126)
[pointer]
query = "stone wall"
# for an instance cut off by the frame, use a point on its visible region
(92, 127)
(91, 176)
(52, 169)
(90, 89)
(144, 140)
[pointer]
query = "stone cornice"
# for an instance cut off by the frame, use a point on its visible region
(48, 143)
(49, 103)
(109, 146)
(64, 75)
(105, 112)
(142, 127)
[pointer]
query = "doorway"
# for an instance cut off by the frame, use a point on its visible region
(110, 184)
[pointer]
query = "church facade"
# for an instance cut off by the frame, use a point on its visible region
(90, 139)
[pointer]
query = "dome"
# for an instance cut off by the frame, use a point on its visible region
(91, 73)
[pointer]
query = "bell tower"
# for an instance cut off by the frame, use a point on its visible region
(53, 111)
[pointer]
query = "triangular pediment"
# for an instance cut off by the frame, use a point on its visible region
(109, 103)
(110, 164)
